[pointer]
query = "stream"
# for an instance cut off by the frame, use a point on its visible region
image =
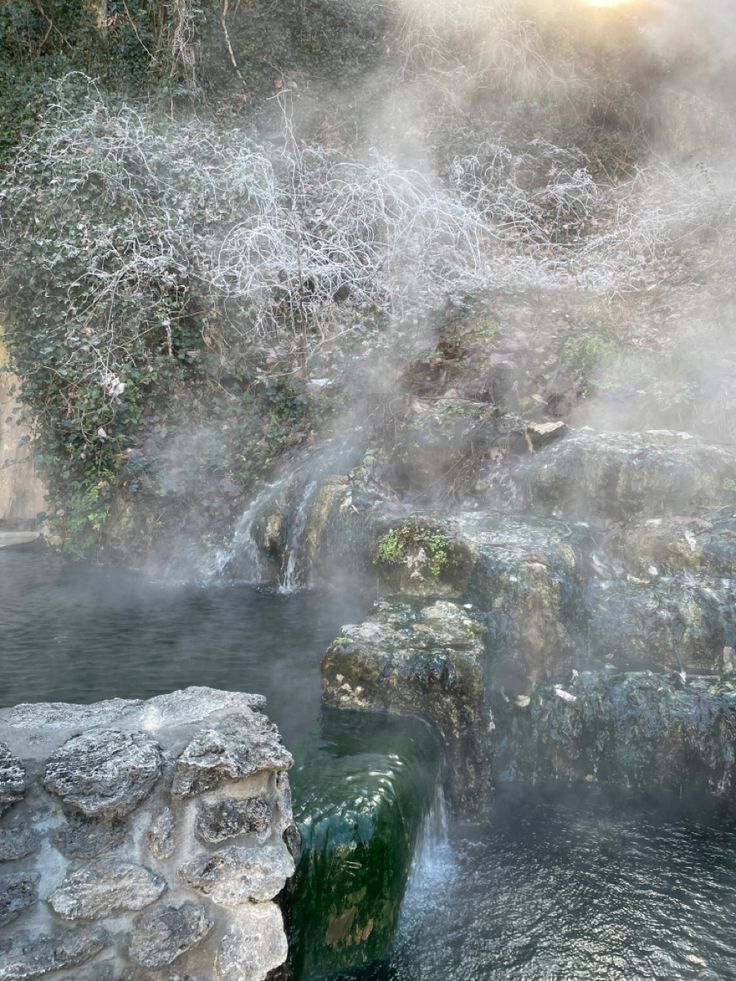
(573, 885)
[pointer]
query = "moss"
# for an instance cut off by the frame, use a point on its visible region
(402, 544)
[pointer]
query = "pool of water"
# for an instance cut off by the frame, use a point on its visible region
(564, 886)
(78, 633)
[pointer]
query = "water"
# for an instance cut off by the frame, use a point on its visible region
(79, 634)
(569, 886)
(574, 885)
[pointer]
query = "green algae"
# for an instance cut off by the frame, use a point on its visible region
(359, 819)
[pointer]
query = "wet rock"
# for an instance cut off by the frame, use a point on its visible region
(702, 544)
(104, 888)
(160, 836)
(12, 778)
(678, 623)
(18, 891)
(358, 838)
(231, 816)
(428, 662)
(27, 955)
(83, 837)
(239, 747)
(618, 475)
(526, 574)
(163, 933)
(642, 730)
(236, 875)
(254, 945)
(104, 773)
(17, 842)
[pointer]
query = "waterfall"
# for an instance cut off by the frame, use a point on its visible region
(432, 858)
(295, 551)
(243, 545)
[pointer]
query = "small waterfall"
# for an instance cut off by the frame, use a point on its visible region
(243, 545)
(432, 858)
(295, 551)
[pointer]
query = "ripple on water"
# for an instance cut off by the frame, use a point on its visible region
(575, 887)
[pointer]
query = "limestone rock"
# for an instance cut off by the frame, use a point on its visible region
(238, 875)
(254, 945)
(27, 955)
(160, 836)
(231, 816)
(163, 933)
(240, 746)
(12, 778)
(104, 773)
(18, 891)
(103, 888)
(428, 662)
(634, 729)
(617, 475)
(83, 837)
(17, 842)
(672, 623)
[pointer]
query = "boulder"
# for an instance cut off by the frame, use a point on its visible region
(618, 475)
(218, 820)
(18, 842)
(430, 662)
(253, 946)
(679, 623)
(18, 891)
(27, 954)
(236, 875)
(12, 778)
(643, 730)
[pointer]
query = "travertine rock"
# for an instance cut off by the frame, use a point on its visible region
(221, 819)
(12, 778)
(83, 837)
(17, 842)
(103, 888)
(18, 891)
(160, 836)
(91, 789)
(163, 933)
(239, 747)
(30, 955)
(104, 773)
(254, 945)
(236, 875)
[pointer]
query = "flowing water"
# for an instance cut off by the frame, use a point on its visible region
(565, 886)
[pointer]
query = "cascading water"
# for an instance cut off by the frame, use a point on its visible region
(432, 858)
(243, 544)
(293, 573)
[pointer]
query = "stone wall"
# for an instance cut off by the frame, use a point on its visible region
(21, 490)
(143, 839)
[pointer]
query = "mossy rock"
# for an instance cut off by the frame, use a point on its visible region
(424, 661)
(359, 817)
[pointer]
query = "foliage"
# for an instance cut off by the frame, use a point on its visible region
(401, 545)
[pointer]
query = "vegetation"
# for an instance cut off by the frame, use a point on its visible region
(416, 547)
(177, 240)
